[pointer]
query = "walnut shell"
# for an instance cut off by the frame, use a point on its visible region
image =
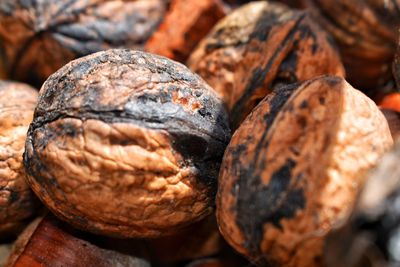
(259, 47)
(126, 143)
(48, 242)
(393, 119)
(293, 168)
(179, 33)
(17, 202)
(371, 237)
(39, 37)
(366, 32)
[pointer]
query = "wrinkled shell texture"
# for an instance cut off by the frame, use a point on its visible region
(17, 202)
(126, 143)
(179, 33)
(39, 37)
(366, 32)
(258, 47)
(293, 168)
(372, 235)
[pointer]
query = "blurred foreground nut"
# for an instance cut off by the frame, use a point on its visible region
(127, 144)
(47, 242)
(366, 32)
(39, 37)
(371, 237)
(293, 168)
(185, 24)
(259, 47)
(17, 202)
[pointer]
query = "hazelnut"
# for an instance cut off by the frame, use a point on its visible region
(371, 236)
(49, 242)
(259, 47)
(17, 202)
(39, 37)
(180, 32)
(366, 32)
(127, 144)
(293, 168)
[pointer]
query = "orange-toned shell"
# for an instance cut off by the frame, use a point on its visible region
(49, 242)
(184, 25)
(126, 143)
(293, 169)
(259, 47)
(390, 101)
(39, 37)
(17, 202)
(366, 32)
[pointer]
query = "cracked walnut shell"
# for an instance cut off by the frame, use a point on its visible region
(293, 169)
(126, 144)
(17, 202)
(259, 47)
(39, 37)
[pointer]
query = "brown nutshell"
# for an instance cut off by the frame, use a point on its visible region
(185, 24)
(366, 32)
(370, 237)
(17, 202)
(127, 144)
(293, 168)
(259, 47)
(39, 37)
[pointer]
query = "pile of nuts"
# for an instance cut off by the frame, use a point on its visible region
(199, 133)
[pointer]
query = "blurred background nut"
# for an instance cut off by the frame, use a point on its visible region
(127, 144)
(48, 242)
(366, 32)
(185, 24)
(39, 37)
(293, 169)
(17, 202)
(259, 47)
(371, 237)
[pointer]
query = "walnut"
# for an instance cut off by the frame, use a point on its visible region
(258, 48)
(39, 37)
(126, 144)
(293, 169)
(366, 32)
(371, 236)
(17, 202)
(179, 33)
(50, 242)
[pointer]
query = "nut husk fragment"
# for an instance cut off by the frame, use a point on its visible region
(39, 37)
(259, 47)
(185, 24)
(371, 236)
(48, 242)
(127, 144)
(17, 201)
(366, 32)
(293, 168)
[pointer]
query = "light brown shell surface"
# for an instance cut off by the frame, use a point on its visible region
(126, 143)
(17, 202)
(293, 169)
(259, 47)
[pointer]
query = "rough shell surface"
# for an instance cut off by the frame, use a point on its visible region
(126, 143)
(293, 168)
(39, 37)
(259, 47)
(17, 202)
